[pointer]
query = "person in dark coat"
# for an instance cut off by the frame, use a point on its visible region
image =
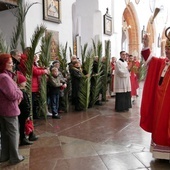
(70, 65)
(76, 75)
(94, 73)
(16, 56)
(25, 109)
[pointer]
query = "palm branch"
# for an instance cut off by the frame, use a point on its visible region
(63, 59)
(142, 71)
(85, 84)
(63, 64)
(83, 53)
(97, 78)
(18, 31)
(3, 46)
(106, 70)
(95, 48)
(71, 53)
(30, 60)
(99, 54)
(44, 62)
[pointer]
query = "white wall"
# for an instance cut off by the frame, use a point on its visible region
(85, 12)
(117, 13)
(35, 18)
(90, 16)
(88, 21)
(7, 25)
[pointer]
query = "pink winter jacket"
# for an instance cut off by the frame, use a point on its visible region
(10, 95)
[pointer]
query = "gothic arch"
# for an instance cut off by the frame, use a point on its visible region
(151, 32)
(134, 35)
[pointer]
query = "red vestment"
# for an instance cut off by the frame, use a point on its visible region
(155, 106)
(134, 77)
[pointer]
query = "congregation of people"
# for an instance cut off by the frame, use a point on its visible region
(22, 112)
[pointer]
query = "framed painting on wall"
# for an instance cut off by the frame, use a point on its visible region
(107, 24)
(52, 10)
(54, 44)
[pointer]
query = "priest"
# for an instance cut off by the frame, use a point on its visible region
(155, 106)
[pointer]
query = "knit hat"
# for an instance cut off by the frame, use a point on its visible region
(56, 61)
(21, 78)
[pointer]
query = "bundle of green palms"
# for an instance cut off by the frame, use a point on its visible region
(38, 33)
(44, 60)
(85, 84)
(97, 78)
(71, 53)
(62, 55)
(106, 70)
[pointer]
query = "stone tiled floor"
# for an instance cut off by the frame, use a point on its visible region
(96, 139)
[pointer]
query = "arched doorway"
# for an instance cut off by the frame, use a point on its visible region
(151, 33)
(132, 32)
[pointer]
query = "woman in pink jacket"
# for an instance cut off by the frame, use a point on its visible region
(10, 97)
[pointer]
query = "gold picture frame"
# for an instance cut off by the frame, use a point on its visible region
(107, 24)
(52, 10)
(54, 44)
